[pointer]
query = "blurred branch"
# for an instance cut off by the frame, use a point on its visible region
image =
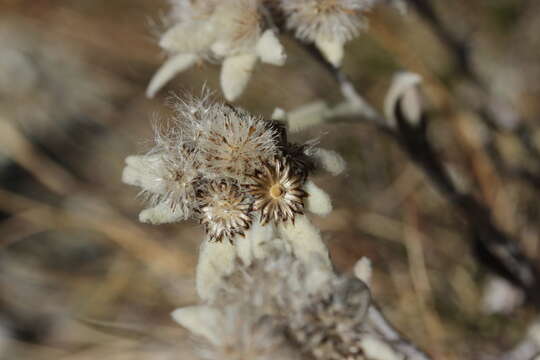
(387, 331)
(492, 247)
(136, 241)
(460, 49)
(15, 145)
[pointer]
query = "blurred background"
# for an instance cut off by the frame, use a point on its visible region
(80, 277)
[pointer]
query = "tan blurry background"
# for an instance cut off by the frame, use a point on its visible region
(80, 277)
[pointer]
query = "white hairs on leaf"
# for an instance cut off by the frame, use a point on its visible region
(201, 320)
(404, 91)
(318, 201)
(363, 270)
(257, 243)
(162, 213)
(330, 160)
(307, 116)
(235, 74)
(270, 50)
(173, 66)
(305, 240)
(333, 50)
(215, 260)
(376, 349)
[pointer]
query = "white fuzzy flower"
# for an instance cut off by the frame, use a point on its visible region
(232, 31)
(327, 23)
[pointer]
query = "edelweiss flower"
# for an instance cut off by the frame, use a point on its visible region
(232, 31)
(227, 168)
(327, 23)
(277, 192)
(224, 211)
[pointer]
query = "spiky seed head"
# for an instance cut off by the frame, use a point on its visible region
(277, 192)
(231, 142)
(224, 211)
(336, 20)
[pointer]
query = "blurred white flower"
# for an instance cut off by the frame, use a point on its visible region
(284, 307)
(232, 31)
(327, 23)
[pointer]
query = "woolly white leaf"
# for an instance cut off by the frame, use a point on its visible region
(270, 49)
(188, 37)
(216, 259)
(330, 160)
(279, 115)
(201, 320)
(332, 49)
(305, 240)
(256, 243)
(137, 172)
(363, 270)
(235, 74)
(318, 201)
(404, 88)
(307, 116)
(168, 70)
(162, 213)
(376, 349)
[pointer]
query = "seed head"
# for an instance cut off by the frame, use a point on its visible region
(277, 192)
(224, 211)
(231, 142)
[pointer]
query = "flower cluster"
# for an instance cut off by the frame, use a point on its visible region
(240, 32)
(233, 31)
(224, 167)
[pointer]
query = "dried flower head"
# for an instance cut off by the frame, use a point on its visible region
(224, 211)
(277, 192)
(232, 143)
